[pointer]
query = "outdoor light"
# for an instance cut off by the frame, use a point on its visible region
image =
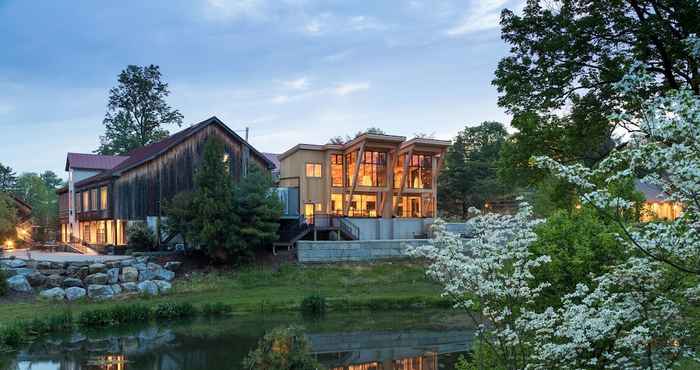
(10, 244)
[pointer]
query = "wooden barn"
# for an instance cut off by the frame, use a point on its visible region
(136, 187)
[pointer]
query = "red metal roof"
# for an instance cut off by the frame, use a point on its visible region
(93, 161)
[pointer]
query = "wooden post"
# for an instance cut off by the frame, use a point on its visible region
(354, 178)
(388, 192)
(403, 178)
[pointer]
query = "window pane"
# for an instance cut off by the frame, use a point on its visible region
(317, 170)
(103, 197)
(336, 170)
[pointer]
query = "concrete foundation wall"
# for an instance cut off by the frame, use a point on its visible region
(354, 250)
(395, 228)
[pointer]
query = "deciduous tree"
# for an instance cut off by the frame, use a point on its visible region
(8, 178)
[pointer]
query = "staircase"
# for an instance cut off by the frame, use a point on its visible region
(321, 222)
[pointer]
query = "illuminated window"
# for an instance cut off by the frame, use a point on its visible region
(100, 232)
(398, 171)
(86, 201)
(313, 170)
(350, 169)
(93, 199)
(309, 211)
(103, 197)
(337, 170)
(337, 204)
(78, 203)
(372, 169)
(363, 205)
(410, 206)
(420, 172)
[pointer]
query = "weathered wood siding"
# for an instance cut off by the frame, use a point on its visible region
(138, 191)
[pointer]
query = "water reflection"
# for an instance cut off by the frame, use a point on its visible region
(222, 344)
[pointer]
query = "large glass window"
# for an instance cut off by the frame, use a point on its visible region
(420, 172)
(86, 201)
(78, 203)
(93, 199)
(103, 197)
(373, 169)
(313, 170)
(408, 206)
(337, 170)
(337, 204)
(350, 159)
(363, 205)
(101, 232)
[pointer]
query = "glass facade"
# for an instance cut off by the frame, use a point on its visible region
(363, 205)
(372, 171)
(337, 204)
(336, 170)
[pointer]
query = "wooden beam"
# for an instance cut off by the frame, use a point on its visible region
(388, 192)
(403, 179)
(356, 171)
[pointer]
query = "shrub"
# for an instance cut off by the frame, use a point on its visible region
(314, 304)
(129, 313)
(170, 310)
(216, 309)
(282, 349)
(95, 318)
(140, 237)
(3, 283)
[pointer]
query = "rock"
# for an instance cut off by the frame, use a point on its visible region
(54, 281)
(79, 272)
(36, 279)
(148, 287)
(8, 272)
(43, 265)
(129, 274)
(24, 271)
(173, 266)
(97, 279)
(72, 282)
(19, 283)
(98, 291)
(140, 266)
(97, 268)
(112, 264)
(164, 274)
(58, 265)
(163, 286)
(116, 288)
(113, 274)
(74, 293)
(130, 287)
(14, 263)
(146, 275)
(53, 294)
(126, 263)
(142, 259)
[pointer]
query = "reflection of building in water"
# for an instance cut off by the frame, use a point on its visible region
(426, 362)
(418, 350)
(109, 362)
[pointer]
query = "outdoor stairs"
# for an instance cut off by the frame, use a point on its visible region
(290, 236)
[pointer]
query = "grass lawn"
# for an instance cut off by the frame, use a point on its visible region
(261, 289)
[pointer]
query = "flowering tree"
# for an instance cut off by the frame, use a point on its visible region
(491, 274)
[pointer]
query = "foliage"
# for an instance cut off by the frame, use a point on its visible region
(314, 305)
(580, 245)
(8, 178)
(141, 238)
(469, 178)
(170, 310)
(565, 58)
(258, 209)
(216, 309)
(115, 315)
(179, 212)
(39, 190)
(339, 140)
(3, 283)
(8, 218)
(491, 273)
(282, 349)
(137, 111)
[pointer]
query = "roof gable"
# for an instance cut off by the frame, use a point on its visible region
(93, 161)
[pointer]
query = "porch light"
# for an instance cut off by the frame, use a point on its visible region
(10, 244)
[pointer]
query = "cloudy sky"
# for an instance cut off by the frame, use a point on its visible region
(292, 70)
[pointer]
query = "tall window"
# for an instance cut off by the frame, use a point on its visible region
(373, 169)
(103, 197)
(337, 170)
(350, 160)
(363, 205)
(78, 203)
(313, 170)
(93, 199)
(337, 203)
(86, 200)
(420, 172)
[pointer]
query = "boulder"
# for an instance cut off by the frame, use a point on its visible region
(74, 293)
(54, 281)
(113, 274)
(140, 266)
(146, 275)
(72, 282)
(53, 294)
(79, 272)
(116, 288)
(163, 286)
(164, 274)
(173, 266)
(98, 291)
(112, 264)
(19, 283)
(13, 263)
(129, 274)
(97, 279)
(130, 287)
(24, 271)
(97, 268)
(126, 263)
(36, 279)
(43, 265)
(142, 259)
(148, 287)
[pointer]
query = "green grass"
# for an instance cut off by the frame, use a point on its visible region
(386, 285)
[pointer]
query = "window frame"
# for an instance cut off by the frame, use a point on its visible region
(104, 197)
(314, 174)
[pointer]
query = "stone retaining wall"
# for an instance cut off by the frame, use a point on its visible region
(354, 250)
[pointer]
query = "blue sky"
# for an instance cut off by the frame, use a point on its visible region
(292, 70)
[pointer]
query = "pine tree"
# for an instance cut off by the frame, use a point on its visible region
(258, 209)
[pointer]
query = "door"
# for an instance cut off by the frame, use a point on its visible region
(309, 210)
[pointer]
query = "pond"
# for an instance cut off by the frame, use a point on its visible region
(424, 340)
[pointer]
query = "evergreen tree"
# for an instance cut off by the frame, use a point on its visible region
(258, 208)
(8, 178)
(137, 111)
(8, 217)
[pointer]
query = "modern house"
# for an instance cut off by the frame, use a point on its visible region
(383, 186)
(657, 206)
(107, 193)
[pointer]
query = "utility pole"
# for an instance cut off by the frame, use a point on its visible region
(247, 129)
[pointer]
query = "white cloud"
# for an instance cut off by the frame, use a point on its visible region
(237, 9)
(301, 83)
(363, 23)
(328, 23)
(482, 15)
(280, 99)
(349, 88)
(337, 56)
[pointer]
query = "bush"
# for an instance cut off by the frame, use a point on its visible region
(314, 304)
(216, 309)
(3, 284)
(282, 349)
(116, 315)
(170, 310)
(140, 237)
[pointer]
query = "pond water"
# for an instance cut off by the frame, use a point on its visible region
(425, 340)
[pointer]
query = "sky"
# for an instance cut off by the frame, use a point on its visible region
(294, 71)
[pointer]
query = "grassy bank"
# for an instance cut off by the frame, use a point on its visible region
(262, 289)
